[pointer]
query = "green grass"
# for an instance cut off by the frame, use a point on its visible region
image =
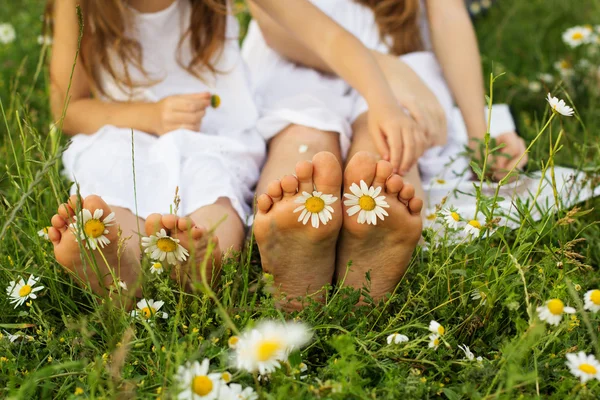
(82, 341)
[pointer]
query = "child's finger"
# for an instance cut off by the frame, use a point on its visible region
(408, 154)
(380, 143)
(396, 150)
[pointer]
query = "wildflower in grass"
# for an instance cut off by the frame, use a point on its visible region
(122, 284)
(78, 391)
(43, 233)
(546, 78)
(565, 68)
(583, 366)
(534, 86)
(397, 338)
(44, 40)
(316, 207)
(479, 295)
(473, 227)
(233, 341)
(592, 300)
(559, 106)
(235, 391)
(13, 338)
(7, 33)
(553, 310)
(434, 341)
(156, 268)
(475, 8)
(452, 218)
(577, 36)
(161, 246)
(436, 328)
(196, 382)
(469, 354)
(263, 348)
(226, 376)
(20, 291)
(365, 201)
(147, 309)
(91, 228)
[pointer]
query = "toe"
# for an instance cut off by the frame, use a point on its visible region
(58, 223)
(361, 167)
(382, 172)
(185, 223)
(407, 193)
(169, 221)
(304, 172)
(153, 224)
(65, 212)
(54, 235)
(93, 203)
(327, 173)
(289, 184)
(275, 191)
(394, 184)
(415, 205)
(264, 202)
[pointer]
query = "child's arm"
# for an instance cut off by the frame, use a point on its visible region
(86, 114)
(393, 133)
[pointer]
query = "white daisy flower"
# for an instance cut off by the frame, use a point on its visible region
(196, 382)
(452, 218)
(559, 106)
(565, 68)
(235, 391)
(397, 338)
(553, 310)
(92, 228)
(473, 227)
(20, 291)
(156, 268)
(263, 348)
(226, 376)
(44, 40)
(43, 233)
(364, 201)
(316, 207)
(434, 341)
(161, 246)
(147, 309)
(583, 366)
(546, 78)
(479, 295)
(592, 300)
(535, 86)
(233, 341)
(577, 36)
(12, 338)
(7, 33)
(436, 328)
(469, 354)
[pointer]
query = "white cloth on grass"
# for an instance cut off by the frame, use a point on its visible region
(223, 160)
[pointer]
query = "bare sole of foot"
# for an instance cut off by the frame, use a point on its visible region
(196, 241)
(300, 256)
(101, 265)
(384, 249)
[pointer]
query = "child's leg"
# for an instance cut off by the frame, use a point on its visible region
(124, 261)
(218, 223)
(294, 144)
(384, 249)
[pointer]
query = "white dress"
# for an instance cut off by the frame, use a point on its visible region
(223, 160)
(288, 93)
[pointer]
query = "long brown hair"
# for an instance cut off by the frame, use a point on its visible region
(398, 21)
(104, 24)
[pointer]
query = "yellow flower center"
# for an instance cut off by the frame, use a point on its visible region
(436, 342)
(157, 265)
(314, 204)
(441, 330)
(24, 291)
(147, 312)
(366, 203)
(440, 181)
(588, 369)
(267, 349)
(577, 36)
(45, 230)
(202, 385)
(564, 64)
(166, 244)
(475, 224)
(431, 217)
(226, 376)
(233, 341)
(556, 307)
(595, 297)
(94, 228)
(455, 216)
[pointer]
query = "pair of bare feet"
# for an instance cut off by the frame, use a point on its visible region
(119, 260)
(303, 259)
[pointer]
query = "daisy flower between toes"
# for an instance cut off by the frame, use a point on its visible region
(316, 207)
(91, 228)
(20, 291)
(366, 201)
(161, 246)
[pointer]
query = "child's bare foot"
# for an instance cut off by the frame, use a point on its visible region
(386, 248)
(100, 245)
(300, 256)
(194, 239)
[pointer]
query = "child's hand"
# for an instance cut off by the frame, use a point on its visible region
(512, 151)
(183, 111)
(397, 136)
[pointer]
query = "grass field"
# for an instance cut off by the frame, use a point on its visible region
(74, 344)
